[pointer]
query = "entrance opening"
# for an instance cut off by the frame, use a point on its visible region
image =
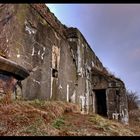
(100, 102)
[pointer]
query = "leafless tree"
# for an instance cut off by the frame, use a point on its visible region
(132, 98)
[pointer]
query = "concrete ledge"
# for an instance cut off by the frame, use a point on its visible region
(13, 68)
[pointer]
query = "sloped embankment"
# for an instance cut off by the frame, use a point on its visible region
(30, 118)
(43, 118)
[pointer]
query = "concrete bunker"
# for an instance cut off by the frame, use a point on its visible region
(100, 102)
(64, 65)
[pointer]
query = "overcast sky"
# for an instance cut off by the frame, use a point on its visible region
(112, 31)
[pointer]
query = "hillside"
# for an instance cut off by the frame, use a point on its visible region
(56, 118)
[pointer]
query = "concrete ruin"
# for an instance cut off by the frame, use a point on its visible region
(61, 63)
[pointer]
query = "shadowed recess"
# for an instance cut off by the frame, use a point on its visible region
(10, 67)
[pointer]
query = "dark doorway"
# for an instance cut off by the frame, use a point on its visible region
(100, 102)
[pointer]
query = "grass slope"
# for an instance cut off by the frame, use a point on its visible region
(55, 118)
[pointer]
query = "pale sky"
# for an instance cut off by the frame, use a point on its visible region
(112, 31)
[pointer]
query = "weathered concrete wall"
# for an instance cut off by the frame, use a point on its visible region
(42, 49)
(85, 61)
(117, 102)
(62, 65)
(93, 78)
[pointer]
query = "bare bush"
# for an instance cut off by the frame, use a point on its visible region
(132, 98)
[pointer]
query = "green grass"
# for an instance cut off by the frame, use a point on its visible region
(58, 123)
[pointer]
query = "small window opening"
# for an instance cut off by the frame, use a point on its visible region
(55, 73)
(117, 93)
(74, 60)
